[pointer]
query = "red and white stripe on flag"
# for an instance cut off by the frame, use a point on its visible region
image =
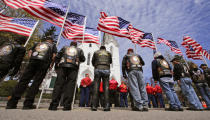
(187, 40)
(110, 24)
(193, 55)
(24, 29)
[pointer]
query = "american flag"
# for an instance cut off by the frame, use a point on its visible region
(206, 54)
(43, 9)
(191, 54)
(135, 34)
(147, 41)
(113, 25)
(172, 44)
(22, 26)
(187, 40)
(76, 30)
(91, 36)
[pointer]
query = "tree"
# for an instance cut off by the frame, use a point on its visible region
(50, 32)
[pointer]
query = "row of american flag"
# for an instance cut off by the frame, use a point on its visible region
(75, 27)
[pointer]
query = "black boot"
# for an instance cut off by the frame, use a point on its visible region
(94, 108)
(52, 107)
(107, 107)
(12, 104)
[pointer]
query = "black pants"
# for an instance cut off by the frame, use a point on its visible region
(4, 69)
(35, 70)
(114, 98)
(104, 75)
(64, 84)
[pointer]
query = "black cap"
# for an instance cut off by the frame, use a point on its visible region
(175, 59)
(102, 47)
(202, 65)
(73, 43)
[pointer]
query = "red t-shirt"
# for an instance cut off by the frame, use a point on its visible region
(149, 89)
(86, 82)
(113, 84)
(123, 88)
(158, 89)
(101, 87)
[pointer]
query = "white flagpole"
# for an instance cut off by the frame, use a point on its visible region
(99, 36)
(63, 24)
(83, 37)
(2, 11)
(31, 33)
(75, 87)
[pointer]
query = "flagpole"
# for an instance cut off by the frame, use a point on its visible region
(63, 24)
(31, 33)
(3, 9)
(99, 36)
(83, 37)
(75, 87)
(135, 49)
(204, 60)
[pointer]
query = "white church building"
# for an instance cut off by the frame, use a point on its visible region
(86, 67)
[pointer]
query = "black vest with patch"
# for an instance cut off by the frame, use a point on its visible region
(163, 67)
(42, 51)
(133, 62)
(70, 57)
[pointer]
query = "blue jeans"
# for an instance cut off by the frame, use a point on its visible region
(160, 99)
(168, 88)
(205, 92)
(189, 92)
(152, 98)
(84, 96)
(123, 100)
(137, 88)
(98, 76)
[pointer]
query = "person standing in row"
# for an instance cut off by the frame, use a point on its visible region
(132, 66)
(102, 59)
(162, 72)
(182, 76)
(41, 58)
(123, 89)
(159, 95)
(67, 65)
(113, 93)
(85, 91)
(151, 97)
(206, 72)
(201, 84)
(11, 56)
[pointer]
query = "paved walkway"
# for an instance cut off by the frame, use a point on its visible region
(115, 114)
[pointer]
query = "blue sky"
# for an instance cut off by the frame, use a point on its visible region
(169, 19)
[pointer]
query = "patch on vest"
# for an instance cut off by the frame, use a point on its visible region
(42, 47)
(164, 64)
(71, 51)
(6, 50)
(135, 60)
(103, 53)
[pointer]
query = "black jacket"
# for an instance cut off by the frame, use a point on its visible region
(60, 54)
(125, 71)
(155, 73)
